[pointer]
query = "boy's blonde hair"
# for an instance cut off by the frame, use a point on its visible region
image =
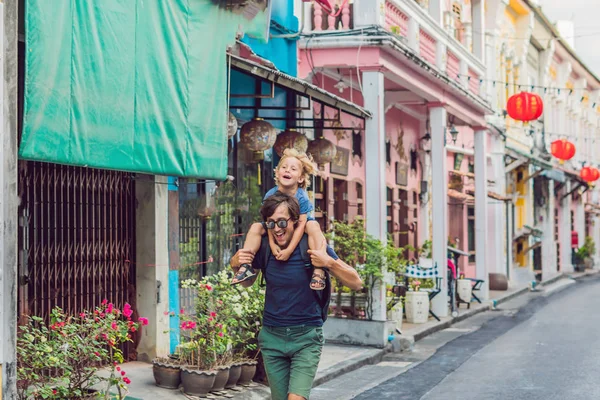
(308, 165)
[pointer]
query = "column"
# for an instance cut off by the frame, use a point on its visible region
(368, 13)
(436, 10)
(439, 200)
(548, 245)
(424, 220)
(580, 220)
(413, 34)
(152, 269)
(375, 164)
(499, 209)
(478, 11)
(9, 201)
(565, 229)
(481, 213)
(491, 64)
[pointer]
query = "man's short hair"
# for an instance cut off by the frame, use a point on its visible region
(272, 202)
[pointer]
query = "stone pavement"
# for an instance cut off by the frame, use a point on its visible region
(339, 360)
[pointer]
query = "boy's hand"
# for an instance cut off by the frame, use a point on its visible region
(276, 250)
(284, 254)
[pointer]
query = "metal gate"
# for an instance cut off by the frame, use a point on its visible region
(76, 238)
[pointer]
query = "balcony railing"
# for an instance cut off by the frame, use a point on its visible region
(447, 48)
(340, 19)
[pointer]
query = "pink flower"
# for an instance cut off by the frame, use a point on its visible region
(213, 314)
(104, 336)
(82, 315)
(210, 319)
(118, 368)
(143, 321)
(104, 302)
(166, 313)
(97, 354)
(127, 380)
(109, 308)
(127, 311)
(122, 373)
(192, 324)
(182, 311)
(114, 326)
(208, 287)
(221, 334)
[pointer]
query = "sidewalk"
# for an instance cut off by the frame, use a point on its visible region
(338, 360)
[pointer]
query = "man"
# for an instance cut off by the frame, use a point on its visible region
(291, 340)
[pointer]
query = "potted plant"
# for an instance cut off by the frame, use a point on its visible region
(244, 321)
(167, 372)
(586, 252)
(417, 303)
(425, 257)
(205, 340)
(350, 246)
(75, 348)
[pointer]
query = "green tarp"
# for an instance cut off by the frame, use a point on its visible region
(132, 85)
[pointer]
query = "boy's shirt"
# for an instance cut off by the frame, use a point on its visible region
(306, 206)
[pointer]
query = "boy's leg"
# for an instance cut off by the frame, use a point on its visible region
(315, 240)
(253, 240)
(315, 236)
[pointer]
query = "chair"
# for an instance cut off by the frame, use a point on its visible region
(416, 271)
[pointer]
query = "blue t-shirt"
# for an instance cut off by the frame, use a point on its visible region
(306, 206)
(289, 300)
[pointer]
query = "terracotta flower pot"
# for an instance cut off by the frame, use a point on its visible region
(234, 375)
(196, 382)
(221, 379)
(166, 375)
(248, 371)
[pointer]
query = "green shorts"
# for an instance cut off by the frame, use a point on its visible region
(291, 356)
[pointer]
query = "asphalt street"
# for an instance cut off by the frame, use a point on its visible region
(546, 349)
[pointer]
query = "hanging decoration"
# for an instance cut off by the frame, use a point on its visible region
(322, 150)
(257, 135)
(525, 106)
(562, 149)
(595, 174)
(290, 139)
(589, 174)
(232, 126)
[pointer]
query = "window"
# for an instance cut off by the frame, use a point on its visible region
(390, 208)
(359, 200)
(471, 232)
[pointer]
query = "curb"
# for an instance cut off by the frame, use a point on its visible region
(347, 366)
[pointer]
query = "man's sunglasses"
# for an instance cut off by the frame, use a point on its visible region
(282, 223)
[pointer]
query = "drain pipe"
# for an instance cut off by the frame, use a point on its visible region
(508, 253)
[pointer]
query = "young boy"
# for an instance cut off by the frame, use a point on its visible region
(292, 176)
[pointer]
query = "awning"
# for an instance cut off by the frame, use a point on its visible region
(297, 85)
(520, 154)
(455, 194)
(492, 195)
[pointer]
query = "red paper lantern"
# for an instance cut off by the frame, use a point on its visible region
(525, 106)
(562, 149)
(589, 174)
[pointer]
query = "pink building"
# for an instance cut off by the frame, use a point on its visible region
(419, 167)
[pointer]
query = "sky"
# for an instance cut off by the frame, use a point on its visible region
(585, 15)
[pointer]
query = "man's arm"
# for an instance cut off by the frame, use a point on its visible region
(342, 271)
(243, 257)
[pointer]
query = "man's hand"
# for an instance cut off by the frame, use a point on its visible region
(320, 258)
(243, 256)
(284, 254)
